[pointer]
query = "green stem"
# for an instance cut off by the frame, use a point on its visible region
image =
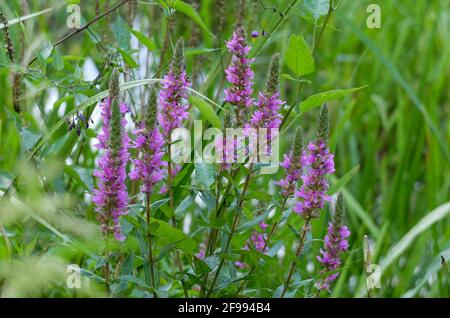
(106, 266)
(174, 221)
(276, 26)
(301, 244)
(233, 229)
(266, 243)
(150, 249)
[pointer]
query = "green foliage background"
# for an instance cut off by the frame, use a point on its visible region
(390, 139)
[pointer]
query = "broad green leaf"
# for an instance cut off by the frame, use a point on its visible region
(317, 8)
(320, 98)
(28, 138)
(254, 221)
(206, 111)
(149, 43)
(184, 205)
(188, 10)
(205, 174)
(298, 56)
(174, 236)
(58, 61)
(45, 52)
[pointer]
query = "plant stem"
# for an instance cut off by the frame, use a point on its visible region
(233, 228)
(174, 221)
(330, 10)
(276, 26)
(305, 230)
(150, 249)
(106, 267)
(266, 243)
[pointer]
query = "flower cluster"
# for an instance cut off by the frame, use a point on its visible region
(149, 142)
(258, 241)
(335, 243)
(292, 163)
(319, 163)
(239, 73)
(111, 197)
(267, 113)
(173, 110)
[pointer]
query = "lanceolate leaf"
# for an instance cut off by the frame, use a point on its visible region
(206, 111)
(298, 56)
(188, 10)
(318, 99)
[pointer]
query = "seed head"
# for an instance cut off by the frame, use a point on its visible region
(273, 75)
(324, 126)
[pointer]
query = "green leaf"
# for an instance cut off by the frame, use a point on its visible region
(184, 205)
(317, 100)
(317, 8)
(174, 236)
(128, 59)
(254, 221)
(188, 10)
(58, 61)
(28, 138)
(149, 43)
(121, 33)
(206, 111)
(424, 224)
(127, 269)
(45, 52)
(343, 181)
(298, 56)
(199, 51)
(205, 174)
(259, 195)
(289, 77)
(81, 175)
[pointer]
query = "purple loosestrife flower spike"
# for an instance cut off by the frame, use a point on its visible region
(111, 197)
(239, 74)
(319, 163)
(293, 164)
(173, 110)
(268, 105)
(149, 142)
(335, 243)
